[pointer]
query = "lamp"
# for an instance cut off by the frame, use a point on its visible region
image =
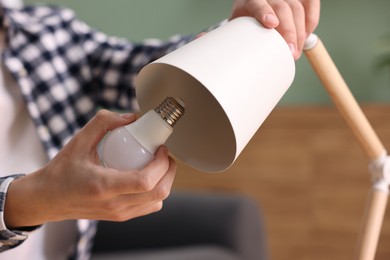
(230, 80)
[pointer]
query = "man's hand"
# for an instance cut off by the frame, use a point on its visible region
(75, 186)
(295, 20)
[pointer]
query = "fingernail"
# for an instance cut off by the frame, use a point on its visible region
(292, 48)
(270, 18)
(126, 115)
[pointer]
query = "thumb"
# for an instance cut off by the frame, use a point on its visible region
(103, 122)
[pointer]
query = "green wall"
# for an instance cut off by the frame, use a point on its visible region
(350, 29)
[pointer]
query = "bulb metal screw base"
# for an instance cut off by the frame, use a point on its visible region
(170, 110)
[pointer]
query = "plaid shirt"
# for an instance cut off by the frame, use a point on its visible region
(65, 71)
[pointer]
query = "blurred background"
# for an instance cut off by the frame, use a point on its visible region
(354, 31)
(303, 167)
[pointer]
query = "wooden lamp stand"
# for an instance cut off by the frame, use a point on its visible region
(348, 107)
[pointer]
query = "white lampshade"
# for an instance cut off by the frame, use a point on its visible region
(230, 79)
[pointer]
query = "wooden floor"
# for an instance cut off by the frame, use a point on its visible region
(310, 179)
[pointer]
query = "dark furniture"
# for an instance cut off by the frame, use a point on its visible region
(191, 226)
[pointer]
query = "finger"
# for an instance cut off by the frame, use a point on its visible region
(154, 171)
(286, 26)
(118, 182)
(124, 213)
(312, 17)
(148, 202)
(103, 122)
(141, 210)
(264, 13)
(113, 207)
(298, 13)
(160, 192)
(163, 188)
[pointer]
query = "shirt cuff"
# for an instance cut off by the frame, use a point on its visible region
(10, 238)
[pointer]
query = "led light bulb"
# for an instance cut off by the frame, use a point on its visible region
(134, 145)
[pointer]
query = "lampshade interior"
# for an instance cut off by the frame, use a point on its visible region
(204, 137)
